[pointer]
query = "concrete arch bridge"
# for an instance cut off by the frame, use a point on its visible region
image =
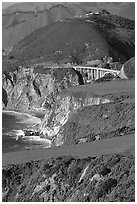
(94, 73)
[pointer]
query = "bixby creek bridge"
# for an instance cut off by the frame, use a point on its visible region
(94, 73)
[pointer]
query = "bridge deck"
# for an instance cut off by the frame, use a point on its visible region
(84, 67)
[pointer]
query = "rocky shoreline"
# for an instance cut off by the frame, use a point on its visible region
(32, 130)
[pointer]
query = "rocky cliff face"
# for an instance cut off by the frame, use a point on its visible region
(70, 117)
(28, 90)
(98, 120)
(31, 90)
(65, 108)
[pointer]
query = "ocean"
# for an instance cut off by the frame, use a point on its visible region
(12, 124)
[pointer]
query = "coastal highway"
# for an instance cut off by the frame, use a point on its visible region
(91, 149)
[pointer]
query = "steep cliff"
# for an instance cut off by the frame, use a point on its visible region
(83, 118)
(72, 115)
(29, 90)
(95, 122)
(65, 108)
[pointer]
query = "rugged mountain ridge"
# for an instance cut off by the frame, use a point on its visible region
(19, 20)
(114, 7)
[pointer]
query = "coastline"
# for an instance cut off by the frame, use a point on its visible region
(28, 118)
(32, 124)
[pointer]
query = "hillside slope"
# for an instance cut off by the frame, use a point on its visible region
(20, 19)
(109, 178)
(104, 34)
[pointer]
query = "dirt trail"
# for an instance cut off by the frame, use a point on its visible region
(96, 148)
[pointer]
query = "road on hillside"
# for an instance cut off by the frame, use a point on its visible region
(96, 148)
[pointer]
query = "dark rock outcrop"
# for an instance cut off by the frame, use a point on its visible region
(4, 97)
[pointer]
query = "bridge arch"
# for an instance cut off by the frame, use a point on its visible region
(109, 73)
(94, 73)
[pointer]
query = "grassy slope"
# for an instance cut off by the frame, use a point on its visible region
(45, 41)
(106, 35)
(17, 26)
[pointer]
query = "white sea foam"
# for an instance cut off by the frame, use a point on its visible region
(24, 121)
(36, 139)
(24, 117)
(19, 134)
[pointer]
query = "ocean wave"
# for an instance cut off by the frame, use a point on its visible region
(23, 117)
(16, 131)
(30, 147)
(19, 135)
(36, 139)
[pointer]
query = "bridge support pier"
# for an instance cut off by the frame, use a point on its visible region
(97, 76)
(89, 75)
